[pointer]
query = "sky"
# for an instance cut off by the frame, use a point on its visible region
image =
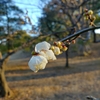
(97, 31)
(32, 6)
(34, 11)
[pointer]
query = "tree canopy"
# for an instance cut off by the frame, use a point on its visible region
(11, 34)
(63, 14)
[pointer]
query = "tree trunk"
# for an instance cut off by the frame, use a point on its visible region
(67, 63)
(67, 57)
(4, 89)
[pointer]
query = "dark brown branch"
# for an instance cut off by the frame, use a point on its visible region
(66, 8)
(78, 33)
(28, 43)
(77, 7)
(66, 11)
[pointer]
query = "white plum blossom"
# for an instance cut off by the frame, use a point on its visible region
(42, 46)
(37, 62)
(44, 52)
(48, 54)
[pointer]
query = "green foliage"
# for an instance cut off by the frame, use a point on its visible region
(59, 16)
(97, 19)
(9, 17)
(10, 24)
(95, 5)
(20, 38)
(3, 48)
(14, 42)
(52, 20)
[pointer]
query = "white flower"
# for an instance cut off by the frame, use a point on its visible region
(48, 54)
(56, 50)
(42, 46)
(37, 62)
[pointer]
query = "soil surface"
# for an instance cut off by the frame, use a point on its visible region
(55, 82)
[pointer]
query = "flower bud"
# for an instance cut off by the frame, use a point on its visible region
(60, 46)
(59, 43)
(52, 47)
(55, 43)
(57, 50)
(90, 12)
(86, 10)
(73, 41)
(64, 48)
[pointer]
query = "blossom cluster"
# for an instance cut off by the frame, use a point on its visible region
(88, 15)
(44, 52)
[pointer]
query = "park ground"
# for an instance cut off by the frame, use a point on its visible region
(56, 82)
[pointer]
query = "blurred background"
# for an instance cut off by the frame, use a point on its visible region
(76, 72)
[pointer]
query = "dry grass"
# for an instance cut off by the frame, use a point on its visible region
(55, 82)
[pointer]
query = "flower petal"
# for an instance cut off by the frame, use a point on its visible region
(48, 54)
(56, 50)
(37, 62)
(42, 46)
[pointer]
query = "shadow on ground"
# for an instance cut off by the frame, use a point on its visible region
(52, 71)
